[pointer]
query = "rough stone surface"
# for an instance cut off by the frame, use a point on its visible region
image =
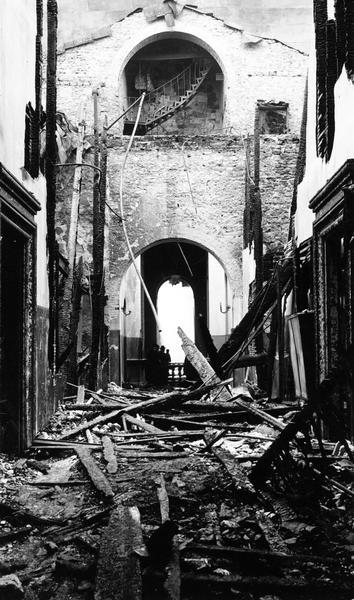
(160, 205)
(266, 70)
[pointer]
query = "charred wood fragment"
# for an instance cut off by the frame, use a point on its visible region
(50, 170)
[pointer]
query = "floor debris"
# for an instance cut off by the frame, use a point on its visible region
(198, 495)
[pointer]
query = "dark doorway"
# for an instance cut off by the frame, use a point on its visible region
(175, 261)
(12, 336)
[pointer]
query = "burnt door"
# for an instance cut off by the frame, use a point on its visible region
(12, 336)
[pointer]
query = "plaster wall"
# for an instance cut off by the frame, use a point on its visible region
(17, 88)
(318, 171)
(253, 69)
(288, 20)
(17, 69)
(160, 205)
(130, 311)
(220, 302)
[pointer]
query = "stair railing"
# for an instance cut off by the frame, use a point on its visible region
(170, 94)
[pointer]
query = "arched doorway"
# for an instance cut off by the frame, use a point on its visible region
(189, 266)
(175, 308)
(183, 84)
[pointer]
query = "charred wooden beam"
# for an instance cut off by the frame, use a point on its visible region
(261, 470)
(97, 255)
(51, 154)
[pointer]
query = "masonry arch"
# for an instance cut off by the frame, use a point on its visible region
(183, 77)
(173, 260)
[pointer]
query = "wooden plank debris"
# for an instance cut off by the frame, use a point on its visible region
(118, 571)
(142, 424)
(109, 454)
(163, 499)
(259, 413)
(201, 365)
(151, 454)
(261, 470)
(251, 553)
(163, 400)
(236, 471)
(80, 398)
(97, 477)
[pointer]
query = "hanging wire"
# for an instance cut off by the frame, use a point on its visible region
(185, 259)
(130, 250)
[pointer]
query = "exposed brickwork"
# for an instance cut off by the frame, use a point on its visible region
(266, 70)
(158, 203)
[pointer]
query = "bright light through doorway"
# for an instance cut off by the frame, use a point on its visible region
(175, 307)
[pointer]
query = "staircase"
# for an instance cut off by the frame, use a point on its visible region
(164, 101)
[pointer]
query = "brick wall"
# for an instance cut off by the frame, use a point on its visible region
(158, 203)
(266, 70)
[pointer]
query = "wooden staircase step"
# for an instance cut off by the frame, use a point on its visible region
(166, 112)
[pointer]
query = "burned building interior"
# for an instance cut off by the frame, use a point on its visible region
(176, 300)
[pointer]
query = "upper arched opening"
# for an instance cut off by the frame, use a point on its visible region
(183, 84)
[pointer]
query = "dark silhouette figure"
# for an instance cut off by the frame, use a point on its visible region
(163, 377)
(160, 543)
(152, 365)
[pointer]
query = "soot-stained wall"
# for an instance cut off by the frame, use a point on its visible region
(253, 68)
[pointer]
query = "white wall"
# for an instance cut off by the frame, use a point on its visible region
(318, 172)
(130, 295)
(17, 75)
(219, 294)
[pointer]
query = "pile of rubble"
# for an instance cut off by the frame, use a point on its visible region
(145, 494)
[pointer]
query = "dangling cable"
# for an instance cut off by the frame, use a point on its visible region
(130, 250)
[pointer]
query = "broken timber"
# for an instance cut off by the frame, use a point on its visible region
(235, 470)
(118, 572)
(97, 477)
(142, 425)
(109, 455)
(201, 365)
(261, 470)
(163, 400)
(259, 413)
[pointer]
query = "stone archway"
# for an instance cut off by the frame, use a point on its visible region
(168, 260)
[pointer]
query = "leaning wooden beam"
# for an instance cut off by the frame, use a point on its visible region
(201, 365)
(97, 477)
(261, 470)
(118, 570)
(249, 360)
(109, 454)
(235, 470)
(259, 413)
(163, 400)
(72, 234)
(142, 425)
(95, 407)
